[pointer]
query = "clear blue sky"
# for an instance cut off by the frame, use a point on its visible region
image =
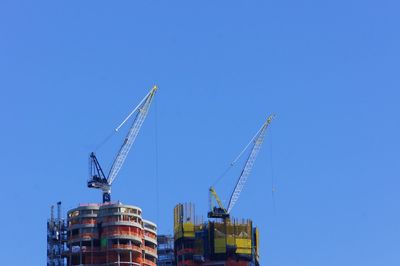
(71, 70)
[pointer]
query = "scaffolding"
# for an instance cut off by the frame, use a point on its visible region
(229, 242)
(165, 250)
(56, 238)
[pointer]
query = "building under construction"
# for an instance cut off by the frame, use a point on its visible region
(56, 238)
(110, 234)
(221, 242)
(102, 234)
(165, 250)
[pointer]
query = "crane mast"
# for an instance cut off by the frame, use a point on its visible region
(256, 141)
(97, 179)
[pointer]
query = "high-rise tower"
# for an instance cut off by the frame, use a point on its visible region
(110, 234)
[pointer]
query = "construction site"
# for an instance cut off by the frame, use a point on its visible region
(230, 242)
(113, 233)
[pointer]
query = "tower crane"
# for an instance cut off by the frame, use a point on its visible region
(220, 211)
(97, 178)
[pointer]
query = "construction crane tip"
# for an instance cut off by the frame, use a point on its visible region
(269, 119)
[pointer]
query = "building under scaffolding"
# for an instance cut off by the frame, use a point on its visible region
(165, 250)
(229, 242)
(56, 238)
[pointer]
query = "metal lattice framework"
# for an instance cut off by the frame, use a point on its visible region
(257, 142)
(141, 111)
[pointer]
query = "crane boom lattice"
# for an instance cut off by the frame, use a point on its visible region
(258, 140)
(130, 138)
(255, 143)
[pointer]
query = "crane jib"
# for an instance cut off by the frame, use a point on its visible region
(220, 211)
(258, 140)
(131, 136)
(97, 178)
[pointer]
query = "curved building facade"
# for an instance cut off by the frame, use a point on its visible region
(110, 234)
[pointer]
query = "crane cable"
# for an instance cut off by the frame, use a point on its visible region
(105, 140)
(116, 130)
(156, 162)
(238, 157)
(273, 179)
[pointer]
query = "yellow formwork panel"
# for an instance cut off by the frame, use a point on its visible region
(257, 238)
(243, 246)
(219, 245)
(178, 234)
(188, 227)
(188, 230)
(230, 240)
(245, 251)
(243, 243)
(177, 222)
(188, 234)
